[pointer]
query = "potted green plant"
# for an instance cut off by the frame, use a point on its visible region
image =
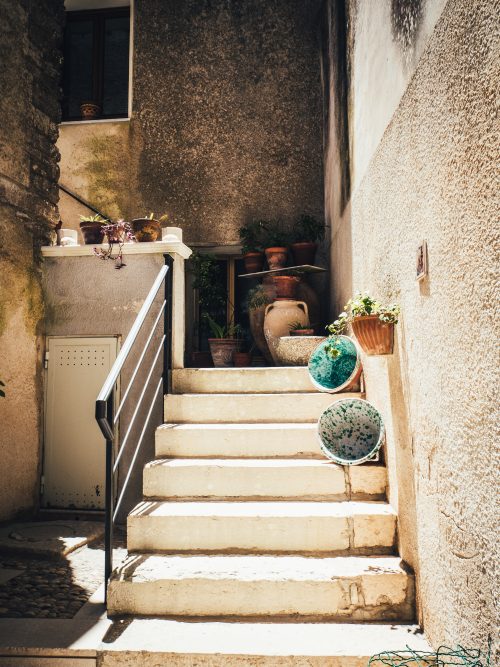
(298, 329)
(148, 228)
(372, 324)
(251, 246)
(276, 239)
(92, 228)
(306, 234)
(117, 233)
(225, 341)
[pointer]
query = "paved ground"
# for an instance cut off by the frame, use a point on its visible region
(37, 587)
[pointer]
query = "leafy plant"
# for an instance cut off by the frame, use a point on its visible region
(161, 219)
(94, 218)
(275, 234)
(209, 281)
(258, 297)
(119, 233)
(297, 326)
(308, 228)
(251, 236)
(359, 306)
(229, 330)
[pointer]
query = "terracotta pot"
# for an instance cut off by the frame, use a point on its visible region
(303, 252)
(374, 336)
(276, 257)
(256, 317)
(254, 261)
(277, 320)
(242, 359)
(304, 332)
(286, 286)
(92, 232)
(90, 110)
(146, 230)
(222, 350)
(201, 360)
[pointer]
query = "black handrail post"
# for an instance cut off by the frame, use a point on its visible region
(108, 529)
(167, 323)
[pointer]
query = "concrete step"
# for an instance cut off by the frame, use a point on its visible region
(262, 527)
(241, 380)
(151, 642)
(354, 588)
(248, 408)
(305, 479)
(238, 440)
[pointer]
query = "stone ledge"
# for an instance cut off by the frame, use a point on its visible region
(158, 247)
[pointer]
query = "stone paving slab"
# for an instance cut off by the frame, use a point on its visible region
(54, 539)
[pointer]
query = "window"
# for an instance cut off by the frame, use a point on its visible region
(96, 62)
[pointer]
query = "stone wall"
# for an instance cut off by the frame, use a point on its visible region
(226, 121)
(29, 109)
(431, 177)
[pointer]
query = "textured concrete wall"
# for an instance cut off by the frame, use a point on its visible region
(433, 177)
(226, 121)
(29, 110)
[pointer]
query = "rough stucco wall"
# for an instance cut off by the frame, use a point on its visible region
(29, 109)
(433, 177)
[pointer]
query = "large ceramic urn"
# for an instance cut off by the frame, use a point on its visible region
(278, 318)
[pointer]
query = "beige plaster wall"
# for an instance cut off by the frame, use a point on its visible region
(433, 176)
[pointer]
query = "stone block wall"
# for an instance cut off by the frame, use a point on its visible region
(30, 59)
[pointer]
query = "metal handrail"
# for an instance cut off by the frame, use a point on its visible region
(105, 403)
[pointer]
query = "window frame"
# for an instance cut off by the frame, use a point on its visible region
(98, 17)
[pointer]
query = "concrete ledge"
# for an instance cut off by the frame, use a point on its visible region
(158, 247)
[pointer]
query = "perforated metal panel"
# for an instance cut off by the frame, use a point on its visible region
(73, 469)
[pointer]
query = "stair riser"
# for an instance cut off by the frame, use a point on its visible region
(248, 442)
(322, 482)
(262, 534)
(378, 597)
(248, 408)
(241, 380)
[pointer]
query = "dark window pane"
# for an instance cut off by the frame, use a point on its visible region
(115, 68)
(78, 45)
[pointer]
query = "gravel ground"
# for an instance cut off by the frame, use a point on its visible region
(55, 588)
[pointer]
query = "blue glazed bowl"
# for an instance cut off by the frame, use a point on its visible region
(350, 431)
(331, 375)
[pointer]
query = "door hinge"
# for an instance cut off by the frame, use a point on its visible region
(46, 362)
(42, 485)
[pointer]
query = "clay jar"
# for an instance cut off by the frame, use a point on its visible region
(277, 321)
(276, 257)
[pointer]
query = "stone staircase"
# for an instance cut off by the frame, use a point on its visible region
(243, 519)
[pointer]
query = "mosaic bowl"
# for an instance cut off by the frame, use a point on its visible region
(331, 375)
(350, 431)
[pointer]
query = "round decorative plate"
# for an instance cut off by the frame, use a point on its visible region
(334, 374)
(350, 431)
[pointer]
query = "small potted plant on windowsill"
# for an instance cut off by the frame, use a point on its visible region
(92, 228)
(298, 329)
(276, 240)
(225, 341)
(251, 246)
(372, 324)
(90, 110)
(148, 228)
(306, 234)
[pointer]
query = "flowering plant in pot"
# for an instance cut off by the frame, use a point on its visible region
(298, 329)
(276, 240)
(306, 234)
(148, 228)
(372, 324)
(226, 340)
(92, 228)
(251, 246)
(118, 233)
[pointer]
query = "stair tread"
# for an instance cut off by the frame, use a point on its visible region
(270, 508)
(155, 567)
(245, 463)
(265, 426)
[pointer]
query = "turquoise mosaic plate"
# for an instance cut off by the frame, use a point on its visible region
(331, 375)
(350, 431)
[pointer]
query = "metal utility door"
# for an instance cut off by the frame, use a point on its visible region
(74, 461)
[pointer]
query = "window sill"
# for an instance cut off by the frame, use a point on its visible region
(96, 121)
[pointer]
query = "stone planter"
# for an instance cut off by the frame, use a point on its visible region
(374, 336)
(296, 350)
(276, 257)
(146, 230)
(222, 350)
(277, 319)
